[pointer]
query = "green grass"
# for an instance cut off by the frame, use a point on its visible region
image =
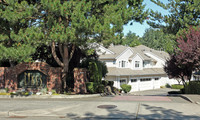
(177, 86)
(4, 93)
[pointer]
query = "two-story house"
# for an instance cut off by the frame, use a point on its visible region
(140, 66)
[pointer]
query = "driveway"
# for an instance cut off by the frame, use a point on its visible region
(155, 92)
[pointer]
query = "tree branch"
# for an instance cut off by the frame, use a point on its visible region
(72, 52)
(53, 50)
(60, 49)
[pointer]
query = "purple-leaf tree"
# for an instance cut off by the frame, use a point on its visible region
(186, 58)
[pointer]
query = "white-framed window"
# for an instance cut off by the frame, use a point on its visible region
(137, 64)
(114, 62)
(145, 79)
(157, 78)
(133, 80)
(123, 63)
(122, 81)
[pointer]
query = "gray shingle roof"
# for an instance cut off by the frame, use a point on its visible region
(113, 71)
(141, 49)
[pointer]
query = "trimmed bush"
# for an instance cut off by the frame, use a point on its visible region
(193, 87)
(91, 87)
(126, 88)
(100, 88)
(177, 86)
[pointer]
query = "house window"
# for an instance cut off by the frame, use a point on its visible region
(133, 80)
(122, 81)
(119, 63)
(137, 64)
(114, 62)
(156, 78)
(145, 79)
(123, 63)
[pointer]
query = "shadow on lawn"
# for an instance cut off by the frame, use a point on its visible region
(158, 113)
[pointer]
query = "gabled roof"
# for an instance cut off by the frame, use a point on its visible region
(141, 50)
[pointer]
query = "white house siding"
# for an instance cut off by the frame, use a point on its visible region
(124, 57)
(109, 63)
(159, 63)
(137, 58)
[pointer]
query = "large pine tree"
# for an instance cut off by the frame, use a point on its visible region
(76, 23)
(18, 36)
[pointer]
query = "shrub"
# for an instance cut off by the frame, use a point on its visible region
(100, 88)
(111, 83)
(91, 87)
(105, 82)
(126, 88)
(193, 87)
(167, 86)
(177, 86)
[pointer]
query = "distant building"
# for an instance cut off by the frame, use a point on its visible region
(140, 66)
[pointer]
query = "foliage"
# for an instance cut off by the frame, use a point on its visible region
(130, 39)
(168, 85)
(158, 40)
(100, 88)
(193, 87)
(97, 69)
(126, 88)
(19, 37)
(177, 86)
(105, 82)
(182, 14)
(91, 87)
(186, 58)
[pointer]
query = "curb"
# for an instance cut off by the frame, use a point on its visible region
(49, 96)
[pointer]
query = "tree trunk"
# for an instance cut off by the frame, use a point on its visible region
(66, 65)
(66, 57)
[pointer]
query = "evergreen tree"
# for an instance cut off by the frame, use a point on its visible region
(158, 40)
(131, 39)
(70, 24)
(18, 36)
(182, 14)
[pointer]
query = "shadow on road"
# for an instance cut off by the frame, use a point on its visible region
(153, 113)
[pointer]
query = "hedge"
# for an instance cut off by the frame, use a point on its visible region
(126, 88)
(193, 87)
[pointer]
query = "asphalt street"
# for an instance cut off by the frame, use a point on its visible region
(108, 107)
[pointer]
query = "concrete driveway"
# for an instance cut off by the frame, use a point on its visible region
(155, 92)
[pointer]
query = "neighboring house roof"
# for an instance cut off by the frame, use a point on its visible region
(117, 50)
(141, 50)
(113, 71)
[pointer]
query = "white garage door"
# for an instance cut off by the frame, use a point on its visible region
(145, 84)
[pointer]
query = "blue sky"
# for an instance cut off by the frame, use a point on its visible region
(138, 28)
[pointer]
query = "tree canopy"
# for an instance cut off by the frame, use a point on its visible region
(18, 37)
(62, 24)
(186, 58)
(158, 40)
(182, 14)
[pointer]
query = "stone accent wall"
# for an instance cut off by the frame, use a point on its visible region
(80, 77)
(2, 77)
(53, 75)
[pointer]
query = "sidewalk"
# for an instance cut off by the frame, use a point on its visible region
(192, 98)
